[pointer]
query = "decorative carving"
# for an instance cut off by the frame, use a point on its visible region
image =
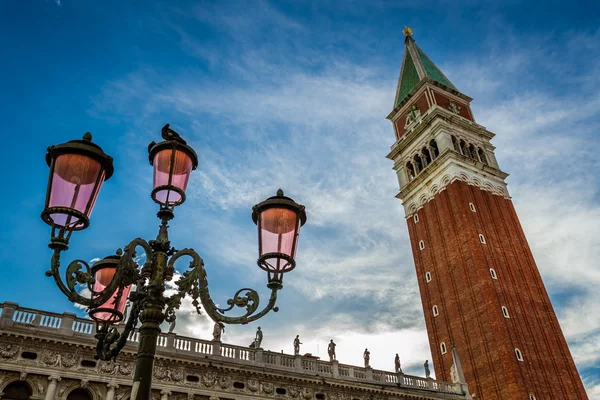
(293, 392)
(224, 382)
(23, 376)
(109, 367)
(125, 368)
(454, 108)
(413, 116)
(164, 373)
(85, 383)
(253, 385)
(268, 388)
(8, 351)
(58, 359)
(307, 393)
(208, 379)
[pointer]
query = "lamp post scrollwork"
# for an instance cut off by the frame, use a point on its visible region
(77, 171)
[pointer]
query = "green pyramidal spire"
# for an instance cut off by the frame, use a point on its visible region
(416, 66)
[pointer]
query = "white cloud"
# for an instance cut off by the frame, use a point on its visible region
(321, 136)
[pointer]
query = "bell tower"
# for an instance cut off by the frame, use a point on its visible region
(480, 287)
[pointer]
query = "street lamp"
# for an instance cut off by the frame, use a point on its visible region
(77, 171)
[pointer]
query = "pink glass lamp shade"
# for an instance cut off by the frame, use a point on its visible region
(173, 163)
(77, 170)
(278, 219)
(112, 310)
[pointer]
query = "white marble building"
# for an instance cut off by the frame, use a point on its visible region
(47, 356)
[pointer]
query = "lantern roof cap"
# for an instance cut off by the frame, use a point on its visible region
(279, 201)
(154, 148)
(85, 147)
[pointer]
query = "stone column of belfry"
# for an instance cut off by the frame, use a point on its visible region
(479, 284)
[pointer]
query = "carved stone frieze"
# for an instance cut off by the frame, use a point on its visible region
(208, 379)
(253, 385)
(307, 393)
(293, 392)
(167, 373)
(224, 382)
(8, 351)
(268, 388)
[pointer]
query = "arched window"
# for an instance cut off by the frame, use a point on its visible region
(482, 156)
(426, 156)
(410, 170)
(519, 354)
(416, 218)
(79, 394)
(505, 312)
(418, 163)
(18, 390)
(481, 238)
(464, 149)
(421, 245)
(472, 207)
(455, 144)
(428, 276)
(472, 152)
(435, 151)
(531, 396)
(436, 311)
(443, 347)
(493, 273)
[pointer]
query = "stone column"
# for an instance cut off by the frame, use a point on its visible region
(51, 391)
(110, 394)
(369, 373)
(216, 348)
(66, 325)
(171, 340)
(164, 395)
(335, 368)
(8, 311)
(258, 356)
(298, 363)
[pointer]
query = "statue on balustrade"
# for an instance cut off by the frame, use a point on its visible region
(331, 351)
(257, 340)
(427, 372)
(397, 364)
(172, 326)
(367, 358)
(297, 344)
(218, 329)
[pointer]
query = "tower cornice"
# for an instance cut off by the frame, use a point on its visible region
(447, 120)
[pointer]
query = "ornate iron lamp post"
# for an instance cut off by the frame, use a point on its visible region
(77, 170)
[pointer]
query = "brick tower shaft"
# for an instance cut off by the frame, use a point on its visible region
(480, 287)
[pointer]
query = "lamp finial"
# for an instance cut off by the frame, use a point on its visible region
(407, 31)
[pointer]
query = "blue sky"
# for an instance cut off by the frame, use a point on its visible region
(294, 94)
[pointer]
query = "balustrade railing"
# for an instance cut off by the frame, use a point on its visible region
(70, 324)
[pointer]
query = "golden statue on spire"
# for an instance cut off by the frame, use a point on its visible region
(407, 31)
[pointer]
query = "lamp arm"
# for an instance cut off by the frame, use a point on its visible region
(108, 336)
(80, 272)
(194, 283)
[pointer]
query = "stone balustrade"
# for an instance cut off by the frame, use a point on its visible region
(171, 345)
